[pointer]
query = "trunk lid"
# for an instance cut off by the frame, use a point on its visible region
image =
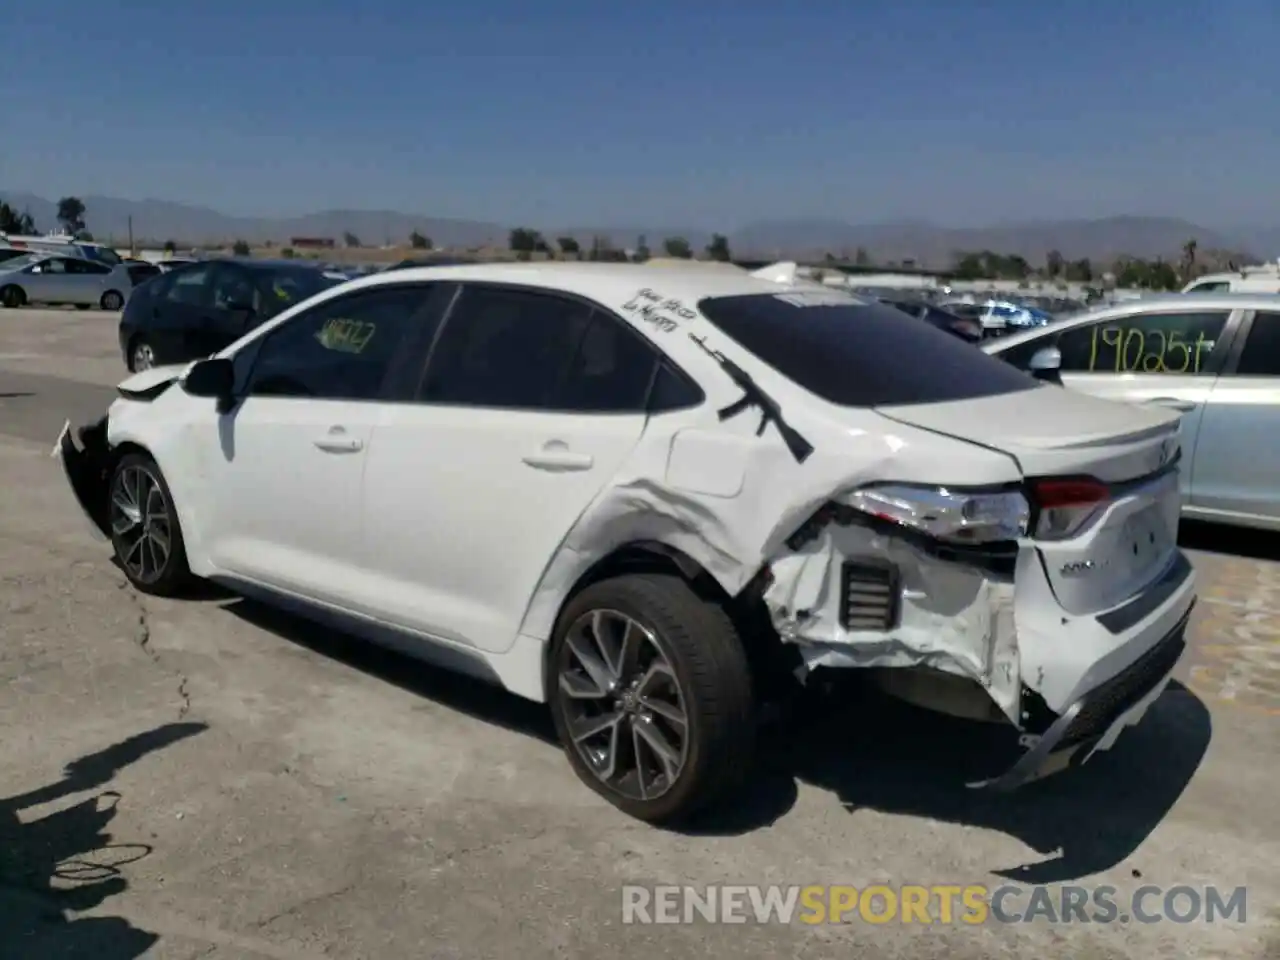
(1130, 538)
(1051, 431)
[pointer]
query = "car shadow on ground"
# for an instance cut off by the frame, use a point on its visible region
(54, 866)
(872, 752)
(1229, 541)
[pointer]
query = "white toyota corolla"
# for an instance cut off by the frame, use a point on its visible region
(647, 494)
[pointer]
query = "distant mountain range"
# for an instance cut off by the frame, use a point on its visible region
(927, 244)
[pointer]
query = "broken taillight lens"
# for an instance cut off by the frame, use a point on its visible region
(1065, 506)
(955, 516)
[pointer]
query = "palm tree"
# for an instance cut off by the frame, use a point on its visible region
(1189, 258)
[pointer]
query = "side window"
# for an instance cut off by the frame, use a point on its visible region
(55, 266)
(341, 350)
(505, 348)
(1174, 343)
(673, 390)
(231, 288)
(1211, 286)
(1261, 355)
(86, 267)
(611, 372)
(191, 286)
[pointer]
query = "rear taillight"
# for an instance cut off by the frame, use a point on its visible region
(954, 516)
(1066, 506)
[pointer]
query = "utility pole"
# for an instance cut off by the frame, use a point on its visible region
(132, 251)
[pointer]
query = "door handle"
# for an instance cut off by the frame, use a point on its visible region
(337, 441)
(559, 458)
(1173, 403)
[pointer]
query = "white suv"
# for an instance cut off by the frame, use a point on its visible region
(645, 494)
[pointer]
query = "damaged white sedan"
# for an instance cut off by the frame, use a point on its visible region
(648, 495)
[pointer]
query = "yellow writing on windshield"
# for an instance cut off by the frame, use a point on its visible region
(1135, 350)
(346, 336)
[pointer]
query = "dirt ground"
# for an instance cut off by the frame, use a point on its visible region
(209, 779)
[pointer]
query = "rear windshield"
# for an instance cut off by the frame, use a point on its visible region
(859, 354)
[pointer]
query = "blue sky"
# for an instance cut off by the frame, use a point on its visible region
(704, 113)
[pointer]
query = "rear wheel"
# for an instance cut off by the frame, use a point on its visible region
(145, 533)
(112, 300)
(651, 695)
(12, 296)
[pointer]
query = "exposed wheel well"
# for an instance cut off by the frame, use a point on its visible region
(772, 662)
(122, 450)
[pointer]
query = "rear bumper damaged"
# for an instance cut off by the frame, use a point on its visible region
(87, 466)
(963, 619)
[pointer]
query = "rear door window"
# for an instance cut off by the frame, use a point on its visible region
(1164, 343)
(857, 353)
(1261, 355)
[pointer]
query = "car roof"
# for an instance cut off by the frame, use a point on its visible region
(609, 283)
(280, 263)
(1157, 303)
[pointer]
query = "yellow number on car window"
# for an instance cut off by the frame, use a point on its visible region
(1177, 357)
(1132, 360)
(347, 336)
(1154, 362)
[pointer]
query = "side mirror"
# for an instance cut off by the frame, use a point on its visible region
(214, 377)
(1046, 364)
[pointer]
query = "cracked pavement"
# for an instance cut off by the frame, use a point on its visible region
(208, 778)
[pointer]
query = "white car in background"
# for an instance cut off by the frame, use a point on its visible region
(41, 278)
(648, 495)
(1212, 358)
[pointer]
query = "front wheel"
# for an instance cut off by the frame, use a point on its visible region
(145, 533)
(651, 694)
(12, 297)
(112, 300)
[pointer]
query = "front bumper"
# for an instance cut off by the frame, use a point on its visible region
(1094, 721)
(87, 468)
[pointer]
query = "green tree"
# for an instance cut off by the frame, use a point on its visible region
(1053, 264)
(420, 241)
(1189, 250)
(861, 257)
(170, 247)
(240, 248)
(569, 247)
(1080, 271)
(11, 221)
(71, 214)
(349, 239)
(288, 253)
(642, 249)
(523, 242)
(677, 247)
(718, 248)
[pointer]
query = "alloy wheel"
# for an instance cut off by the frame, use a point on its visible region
(140, 523)
(622, 704)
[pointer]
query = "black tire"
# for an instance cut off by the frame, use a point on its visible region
(12, 296)
(710, 667)
(171, 577)
(112, 300)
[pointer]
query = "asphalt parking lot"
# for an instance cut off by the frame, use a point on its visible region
(209, 779)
